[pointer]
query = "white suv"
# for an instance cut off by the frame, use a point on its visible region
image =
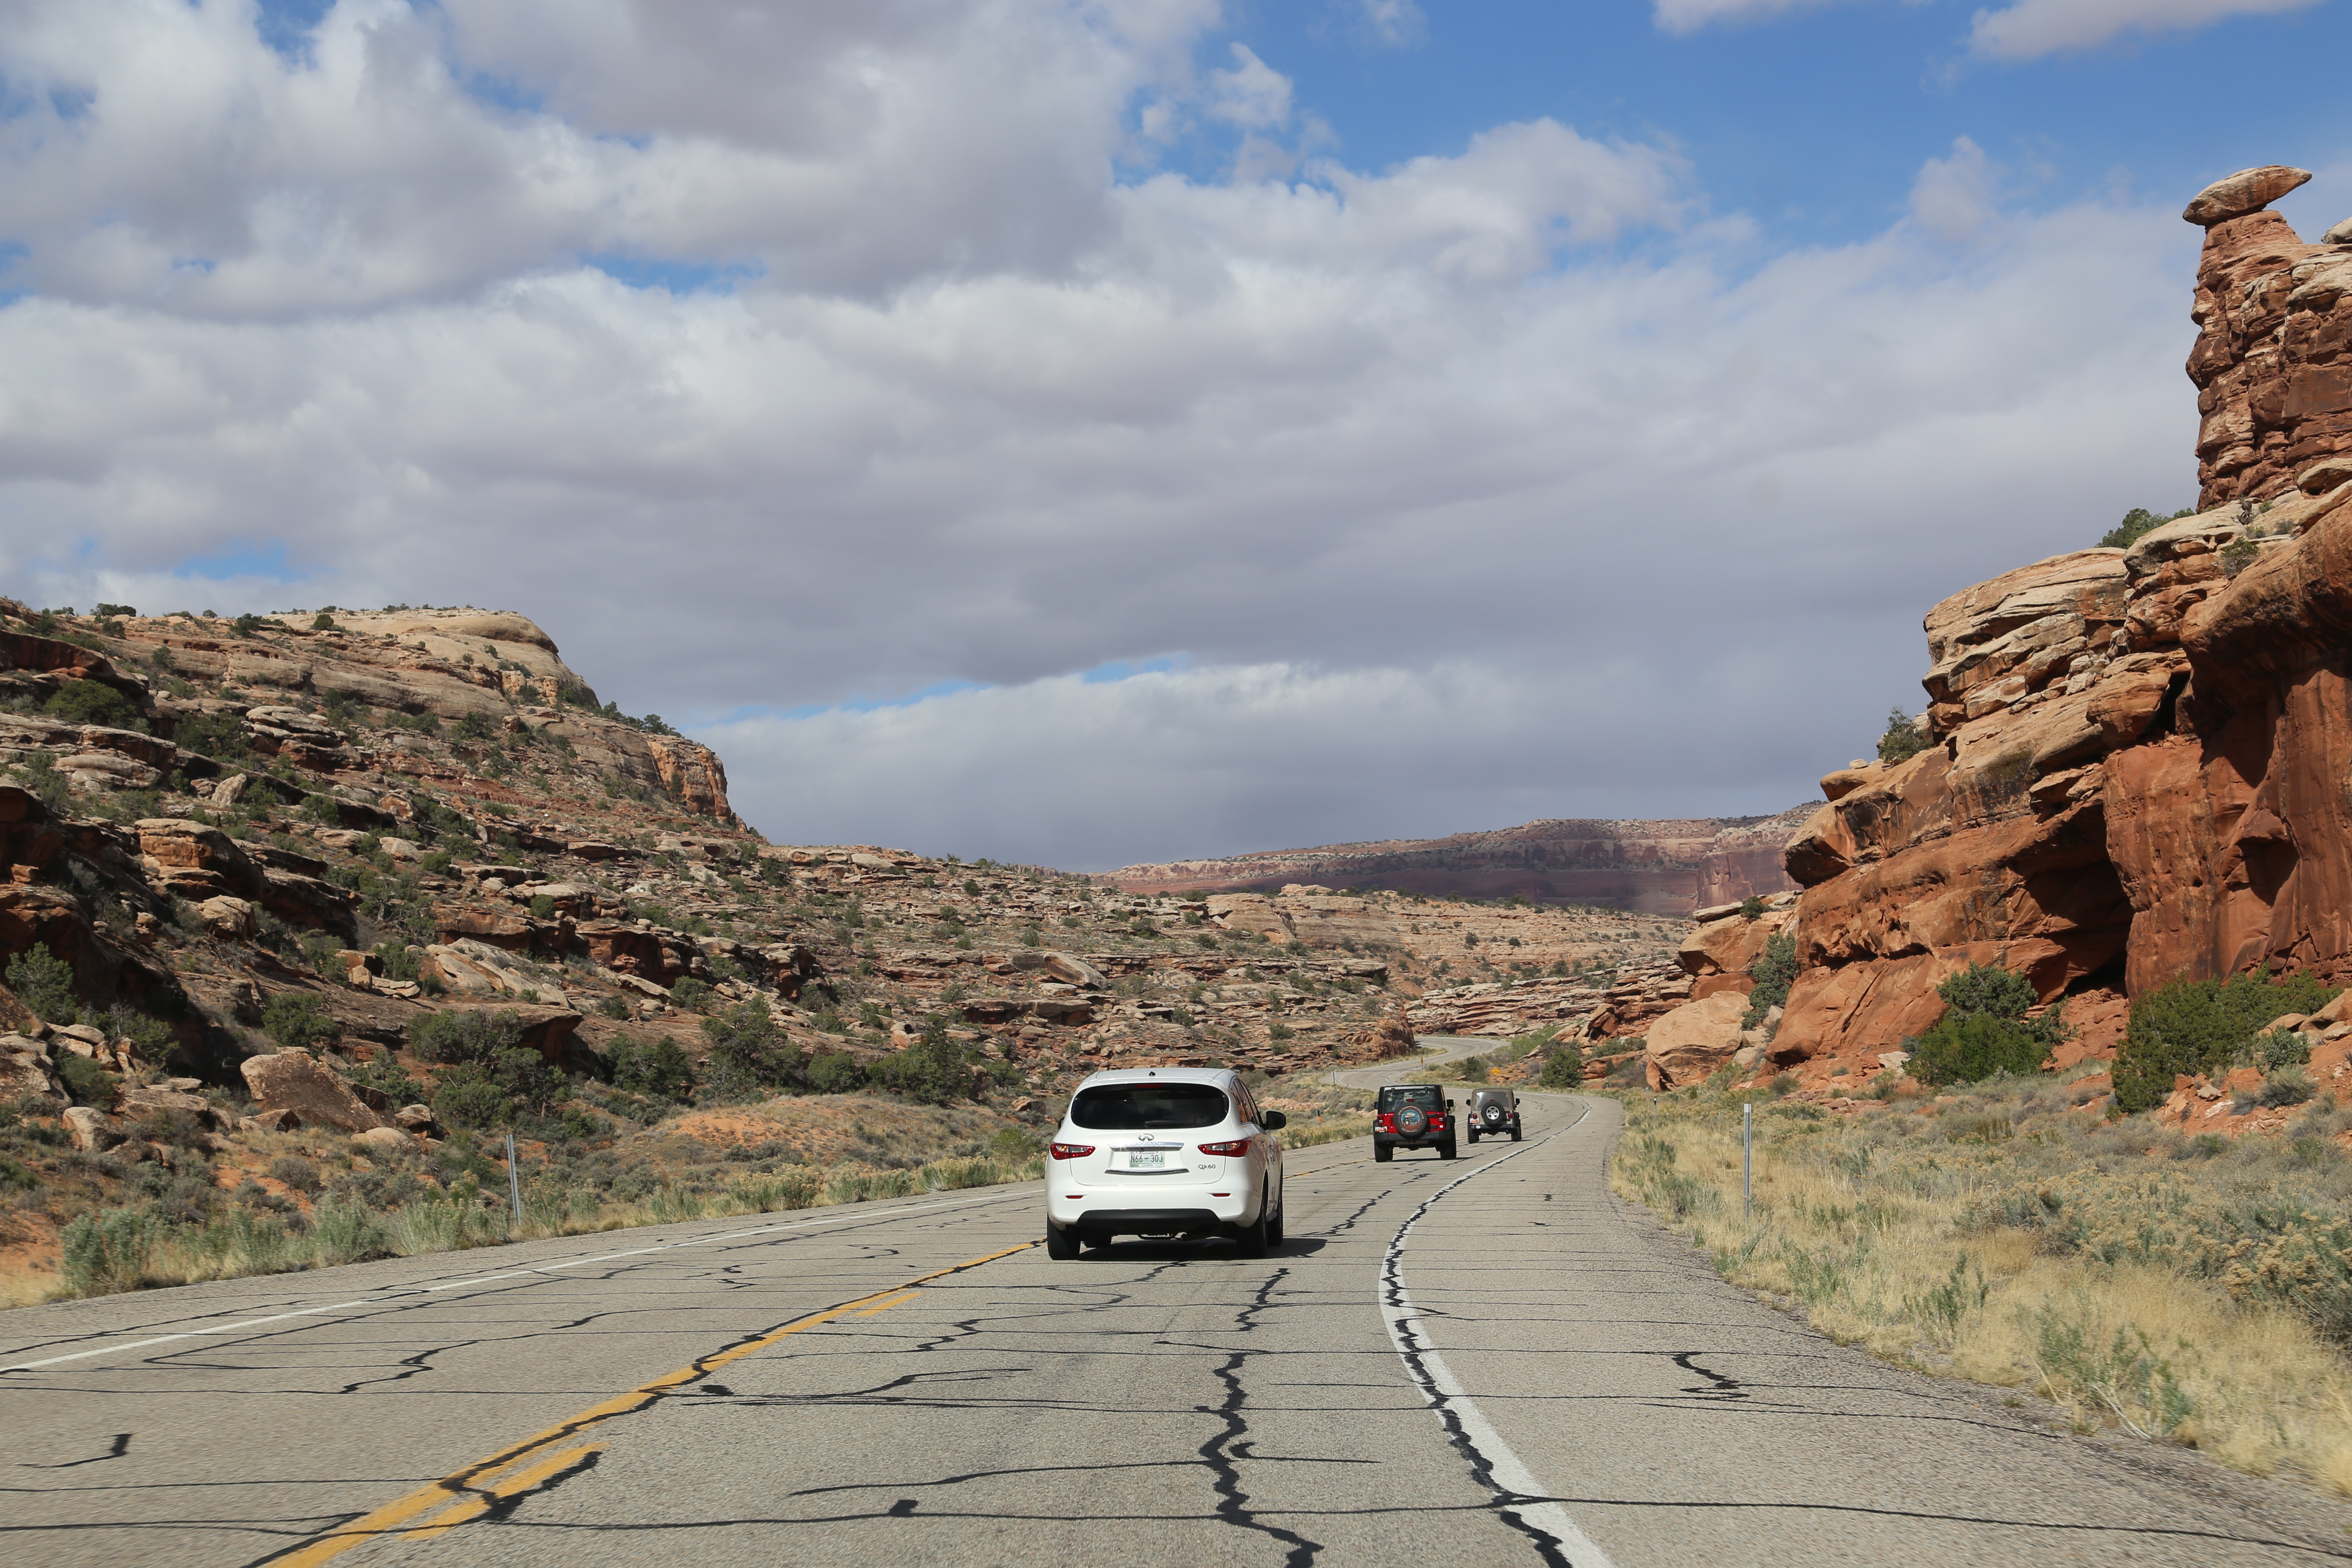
(1178, 1151)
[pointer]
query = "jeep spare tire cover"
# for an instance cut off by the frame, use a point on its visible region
(1411, 1119)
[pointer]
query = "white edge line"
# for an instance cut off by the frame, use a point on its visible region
(1444, 1392)
(245, 1324)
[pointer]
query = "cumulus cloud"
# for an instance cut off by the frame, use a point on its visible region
(2032, 28)
(1454, 509)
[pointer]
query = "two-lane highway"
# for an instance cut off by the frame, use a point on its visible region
(1487, 1359)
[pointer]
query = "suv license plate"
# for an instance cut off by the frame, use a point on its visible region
(1145, 1162)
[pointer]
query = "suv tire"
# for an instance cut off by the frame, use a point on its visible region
(1253, 1237)
(1515, 1134)
(1445, 1150)
(1274, 1227)
(1060, 1245)
(1473, 1135)
(1383, 1152)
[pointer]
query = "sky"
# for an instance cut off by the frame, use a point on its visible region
(1085, 432)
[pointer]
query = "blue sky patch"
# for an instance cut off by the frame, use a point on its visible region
(677, 277)
(263, 559)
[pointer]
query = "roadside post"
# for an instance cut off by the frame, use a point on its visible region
(1746, 1157)
(514, 1180)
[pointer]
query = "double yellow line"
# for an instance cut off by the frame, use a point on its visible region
(469, 1493)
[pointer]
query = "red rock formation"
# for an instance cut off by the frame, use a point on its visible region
(1669, 866)
(2272, 362)
(2138, 760)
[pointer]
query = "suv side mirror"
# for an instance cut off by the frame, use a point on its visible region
(1272, 1120)
(1449, 1105)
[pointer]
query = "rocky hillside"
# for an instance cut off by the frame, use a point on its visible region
(1656, 867)
(2133, 766)
(362, 891)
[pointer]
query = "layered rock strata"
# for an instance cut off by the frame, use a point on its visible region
(1667, 867)
(2272, 364)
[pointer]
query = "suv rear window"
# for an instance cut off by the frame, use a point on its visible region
(1423, 1095)
(1139, 1107)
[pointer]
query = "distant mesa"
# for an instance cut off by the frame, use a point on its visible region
(1670, 866)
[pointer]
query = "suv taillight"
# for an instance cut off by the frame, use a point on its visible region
(1387, 1123)
(1232, 1151)
(1071, 1151)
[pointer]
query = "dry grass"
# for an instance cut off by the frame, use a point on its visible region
(2189, 1292)
(129, 1249)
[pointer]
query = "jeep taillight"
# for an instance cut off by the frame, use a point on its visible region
(1233, 1150)
(1387, 1122)
(1071, 1151)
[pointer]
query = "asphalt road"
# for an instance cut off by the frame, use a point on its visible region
(1483, 1360)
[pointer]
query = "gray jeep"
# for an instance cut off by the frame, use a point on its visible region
(1493, 1112)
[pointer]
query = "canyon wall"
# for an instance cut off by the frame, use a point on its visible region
(2138, 762)
(1668, 866)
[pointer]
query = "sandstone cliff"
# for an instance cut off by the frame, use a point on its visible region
(2139, 758)
(1656, 867)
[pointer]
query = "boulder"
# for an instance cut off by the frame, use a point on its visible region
(1688, 1044)
(92, 1131)
(294, 1080)
(25, 1075)
(136, 1103)
(387, 1139)
(2339, 235)
(416, 1119)
(191, 859)
(280, 1121)
(2323, 477)
(1072, 970)
(227, 917)
(2247, 191)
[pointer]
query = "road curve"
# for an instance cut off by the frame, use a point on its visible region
(1488, 1359)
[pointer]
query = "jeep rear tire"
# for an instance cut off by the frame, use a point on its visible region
(1383, 1152)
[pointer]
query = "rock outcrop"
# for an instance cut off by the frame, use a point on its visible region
(2137, 758)
(2272, 362)
(1670, 866)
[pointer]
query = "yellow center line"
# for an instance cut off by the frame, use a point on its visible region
(518, 1482)
(460, 1483)
(886, 1306)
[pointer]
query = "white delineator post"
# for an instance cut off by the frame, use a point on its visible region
(514, 1180)
(1746, 1157)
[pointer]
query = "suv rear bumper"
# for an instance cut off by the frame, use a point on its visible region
(1104, 1224)
(1399, 1141)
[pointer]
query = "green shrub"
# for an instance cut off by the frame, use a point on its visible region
(295, 1172)
(1564, 1068)
(323, 622)
(220, 736)
(2287, 1085)
(932, 1070)
(86, 1082)
(466, 1096)
(45, 984)
(659, 1068)
(1961, 1048)
(2193, 1026)
(93, 703)
(836, 1072)
(748, 1051)
(2278, 1048)
(1902, 741)
(1751, 907)
(2137, 521)
(692, 994)
(1984, 1029)
(297, 1022)
(542, 907)
(1774, 971)
(108, 1251)
(474, 1034)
